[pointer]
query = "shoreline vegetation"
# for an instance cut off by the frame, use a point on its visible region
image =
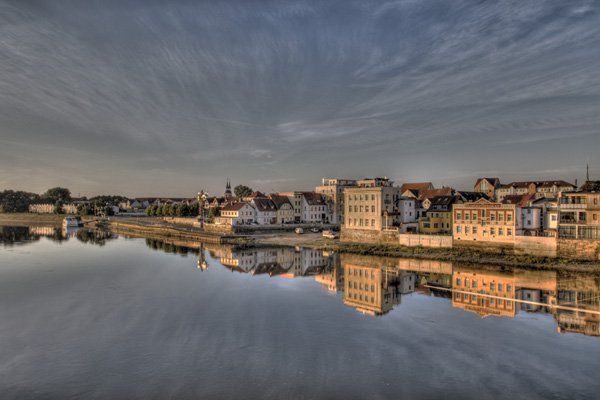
(153, 229)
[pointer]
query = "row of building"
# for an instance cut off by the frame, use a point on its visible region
(491, 212)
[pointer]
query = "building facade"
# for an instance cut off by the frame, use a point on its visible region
(373, 205)
(333, 190)
(485, 220)
(579, 215)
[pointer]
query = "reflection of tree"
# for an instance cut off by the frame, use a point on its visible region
(94, 236)
(161, 245)
(11, 235)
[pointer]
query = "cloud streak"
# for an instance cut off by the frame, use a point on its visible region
(262, 90)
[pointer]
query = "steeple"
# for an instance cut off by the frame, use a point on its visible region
(228, 189)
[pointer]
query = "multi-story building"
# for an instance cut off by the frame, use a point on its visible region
(373, 205)
(579, 215)
(487, 186)
(234, 214)
(484, 220)
(537, 188)
(333, 190)
(285, 211)
(266, 211)
(314, 208)
(414, 188)
(438, 217)
(295, 199)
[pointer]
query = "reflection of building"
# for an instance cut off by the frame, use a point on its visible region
(581, 292)
(484, 292)
(371, 290)
(332, 278)
(281, 261)
(373, 285)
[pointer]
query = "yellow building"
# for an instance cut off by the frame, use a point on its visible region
(484, 220)
(373, 205)
(438, 216)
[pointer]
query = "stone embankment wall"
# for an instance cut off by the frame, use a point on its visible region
(183, 221)
(581, 249)
(521, 245)
(368, 236)
(411, 240)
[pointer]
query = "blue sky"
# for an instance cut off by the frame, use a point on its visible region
(165, 98)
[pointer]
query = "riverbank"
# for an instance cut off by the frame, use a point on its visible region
(157, 229)
(463, 255)
(30, 219)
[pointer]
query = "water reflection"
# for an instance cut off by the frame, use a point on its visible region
(376, 285)
(19, 235)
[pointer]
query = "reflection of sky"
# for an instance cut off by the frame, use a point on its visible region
(276, 94)
(124, 321)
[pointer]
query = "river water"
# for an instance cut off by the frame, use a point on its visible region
(86, 315)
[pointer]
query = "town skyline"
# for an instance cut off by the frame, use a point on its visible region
(147, 98)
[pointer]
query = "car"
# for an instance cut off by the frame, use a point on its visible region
(328, 234)
(299, 231)
(314, 230)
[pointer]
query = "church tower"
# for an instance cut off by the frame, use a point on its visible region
(228, 189)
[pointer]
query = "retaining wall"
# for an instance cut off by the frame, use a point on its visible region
(412, 240)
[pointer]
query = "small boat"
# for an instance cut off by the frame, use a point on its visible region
(329, 234)
(72, 222)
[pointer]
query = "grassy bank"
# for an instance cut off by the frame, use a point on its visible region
(27, 219)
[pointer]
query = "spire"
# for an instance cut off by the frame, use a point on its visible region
(228, 188)
(587, 172)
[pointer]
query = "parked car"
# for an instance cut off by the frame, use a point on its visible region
(330, 234)
(299, 231)
(314, 230)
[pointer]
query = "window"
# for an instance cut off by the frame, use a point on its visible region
(373, 209)
(474, 230)
(372, 222)
(500, 287)
(474, 216)
(500, 231)
(492, 286)
(509, 217)
(457, 281)
(474, 284)
(458, 229)
(458, 215)
(492, 231)
(509, 232)
(508, 287)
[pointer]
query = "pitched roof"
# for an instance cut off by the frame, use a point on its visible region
(416, 186)
(520, 200)
(430, 193)
(314, 199)
(264, 204)
(234, 206)
(537, 184)
(441, 203)
(471, 196)
(590, 186)
(493, 181)
(279, 200)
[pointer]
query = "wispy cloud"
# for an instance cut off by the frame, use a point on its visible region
(258, 90)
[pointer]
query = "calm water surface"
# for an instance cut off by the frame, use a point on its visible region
(99, 317)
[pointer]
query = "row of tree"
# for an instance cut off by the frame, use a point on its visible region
(12, 201)
(172, 210)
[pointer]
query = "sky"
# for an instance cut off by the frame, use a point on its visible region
(156, 98)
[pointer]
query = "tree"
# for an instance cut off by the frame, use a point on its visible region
(58, 207)
(57, 194)
(213, 212)
(14, 202)
(242, 191)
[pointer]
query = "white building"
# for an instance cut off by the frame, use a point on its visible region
(235, 214)
(266, 211)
